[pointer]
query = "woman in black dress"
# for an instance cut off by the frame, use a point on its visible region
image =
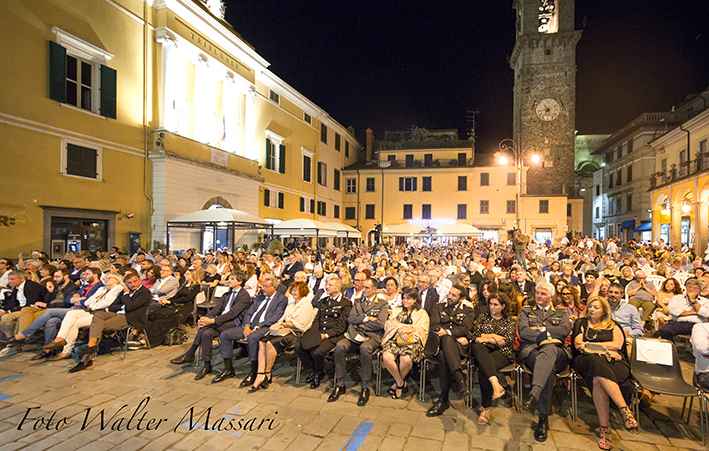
(603, 374)
(493, 337)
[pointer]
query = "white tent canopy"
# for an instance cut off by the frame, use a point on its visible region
(215, 216)
(458, 229)
(345, 231)
(402, 230)
(305, 228)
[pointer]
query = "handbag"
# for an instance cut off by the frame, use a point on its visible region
(401, 342)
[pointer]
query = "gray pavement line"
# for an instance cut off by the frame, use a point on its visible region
(4, 396)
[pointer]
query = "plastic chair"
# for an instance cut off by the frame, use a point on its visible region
(656, 280)
(663, 379)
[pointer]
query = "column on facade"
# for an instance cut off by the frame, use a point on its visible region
(656, 212)
(676, 225)
(701, 226)
(251, 151)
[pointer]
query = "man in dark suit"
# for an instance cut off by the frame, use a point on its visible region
(130, 309)
(330, 323)
(450, 324)
(24, 293)
(264, 312)
(229, 311)
(543, 330)
(364, 334)
(293, 267)
(429, 295)
(518, 279)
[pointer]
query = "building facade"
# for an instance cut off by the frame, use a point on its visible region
(435, 186)
(680, 187)
(139, 112)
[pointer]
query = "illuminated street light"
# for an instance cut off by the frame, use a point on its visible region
(518, 151)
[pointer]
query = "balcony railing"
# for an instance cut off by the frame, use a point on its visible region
(685, 170)
(419, 163)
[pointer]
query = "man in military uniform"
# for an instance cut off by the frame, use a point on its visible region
(450, 324)
(364, 333)
(327, 329)
(543, 330)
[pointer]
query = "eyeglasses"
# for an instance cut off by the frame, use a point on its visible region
(567, 294)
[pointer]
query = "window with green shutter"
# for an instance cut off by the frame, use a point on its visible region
(81, 161)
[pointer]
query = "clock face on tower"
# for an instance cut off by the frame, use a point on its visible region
(548, 109)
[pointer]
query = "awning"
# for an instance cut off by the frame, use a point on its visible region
(305, 228)
(402, 230)
(645, 226)
(458, 229)
(628, 224)
(345, 231)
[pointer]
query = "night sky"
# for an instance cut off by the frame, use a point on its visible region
(391, 64)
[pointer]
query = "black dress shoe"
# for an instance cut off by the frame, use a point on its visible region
(181, 360)
(203, 372)
(15, 342)
(81, 366)
(463, 392)
(531, 404)
(87, 350)
(224, 375)
(42, 356)
(248, 381)
(310, 378)
(363, 398)
(540, 433)
(336, 393)
(438, 408)
(315, 383)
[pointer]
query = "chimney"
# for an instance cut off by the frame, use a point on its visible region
(370, 144)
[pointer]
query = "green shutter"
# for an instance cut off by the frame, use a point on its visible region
(57, 72)
(282, 159)
(401, 183)
(281, 200)
(266, 198)
(414, 183)
(268, 154)
(302, 204)
(108, 92)
(312, 205)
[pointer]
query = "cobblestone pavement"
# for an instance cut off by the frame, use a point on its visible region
(35, 398)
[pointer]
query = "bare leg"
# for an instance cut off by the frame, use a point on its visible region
(612, 389)
(600, 400)
(260, 377)
(389, 361)
(496, 387)
(271, 355)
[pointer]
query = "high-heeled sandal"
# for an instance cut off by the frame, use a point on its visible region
(255, 388)
(266, 382)
(484, 417)
(498, 395)
(404, 389)
(606, 441)
(630, 421)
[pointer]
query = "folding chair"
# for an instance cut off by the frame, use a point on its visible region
(654, 371)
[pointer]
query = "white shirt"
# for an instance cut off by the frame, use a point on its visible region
(21, 298)
(700, 347)
(680, 303)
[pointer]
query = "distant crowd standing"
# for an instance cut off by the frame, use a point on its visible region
(546, 307)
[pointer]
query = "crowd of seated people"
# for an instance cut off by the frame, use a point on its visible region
(409, 303)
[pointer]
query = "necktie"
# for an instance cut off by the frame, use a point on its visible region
(261, 312)
(228, 304)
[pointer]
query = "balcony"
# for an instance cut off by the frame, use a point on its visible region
(420, 163)
(685, 170)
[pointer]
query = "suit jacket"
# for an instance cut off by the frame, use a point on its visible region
(528, 288)
(238, 309)
(291, 270)
(136, 307)
(556, 322)
(84, 293)
(350, 293)
(429, 300)
(363, 308)
(273, 313)
(33, 292)
(67, 292)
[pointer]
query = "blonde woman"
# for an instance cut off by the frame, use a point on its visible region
(603, 374)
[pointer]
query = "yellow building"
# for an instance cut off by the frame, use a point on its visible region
(139, 112)
(436, 186)
(680, 187)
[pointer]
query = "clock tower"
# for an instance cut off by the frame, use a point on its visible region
(544, 61)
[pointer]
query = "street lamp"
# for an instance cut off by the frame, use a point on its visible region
(518, 150)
